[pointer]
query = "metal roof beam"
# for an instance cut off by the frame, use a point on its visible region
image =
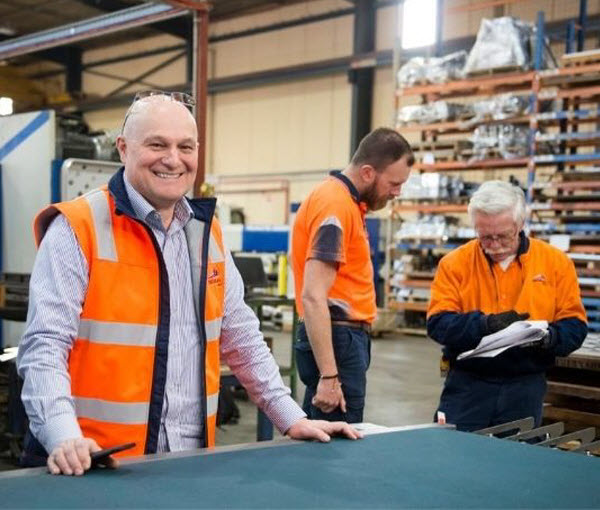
(94, 27)
(179, 27)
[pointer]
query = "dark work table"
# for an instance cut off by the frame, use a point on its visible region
(415, 468)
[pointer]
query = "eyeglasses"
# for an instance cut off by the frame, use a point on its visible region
(178, 97)
(503, 238)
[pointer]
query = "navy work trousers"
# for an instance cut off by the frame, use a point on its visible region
(472, 402)
(352, 350)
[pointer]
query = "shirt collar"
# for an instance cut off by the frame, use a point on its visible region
(144, 210)
(351, 188)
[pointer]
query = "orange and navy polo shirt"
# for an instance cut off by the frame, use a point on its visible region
(330, 226)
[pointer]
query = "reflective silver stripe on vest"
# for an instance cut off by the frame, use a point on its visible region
(119, 333)
(105, 239)
(114, 412)
(212, 402)
(214, 251)
(194, 233)
(213, 329)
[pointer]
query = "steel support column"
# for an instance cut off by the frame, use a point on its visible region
(201, 88)
(582, 22)
(189, 62)
(362, 72)
(74, 70)
(439, 28)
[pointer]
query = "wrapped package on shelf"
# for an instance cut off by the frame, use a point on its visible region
(429, 226)
(513, 141)
(501, 107)
(425, 185)
(412, 72)
(500, 140)
(501, 43)
(443, 69)
(434, 185)
(437, 111)
(432, 70)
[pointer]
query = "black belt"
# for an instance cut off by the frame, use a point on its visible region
(365, 326)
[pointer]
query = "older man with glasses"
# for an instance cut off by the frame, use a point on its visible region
(484, 286)
(134, 301)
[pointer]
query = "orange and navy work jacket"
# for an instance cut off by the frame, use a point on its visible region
(118, 362)
(330, 226)
(541, 281)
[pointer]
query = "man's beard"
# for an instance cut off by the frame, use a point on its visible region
(373, 201)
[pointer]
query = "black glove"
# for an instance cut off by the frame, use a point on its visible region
(497, 321)
(546, 342)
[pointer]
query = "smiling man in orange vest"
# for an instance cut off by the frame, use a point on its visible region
(134, 300)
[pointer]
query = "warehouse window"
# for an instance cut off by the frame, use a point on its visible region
(6, 106)
(418, 23)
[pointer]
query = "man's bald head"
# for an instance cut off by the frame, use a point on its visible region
(158, 105)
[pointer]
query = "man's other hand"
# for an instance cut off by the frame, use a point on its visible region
(72, 457)
(329, 396)
(321, 430)
(498, 321)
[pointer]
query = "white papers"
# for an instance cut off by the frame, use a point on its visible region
(370, 428)
(9, 353)
(518, 333)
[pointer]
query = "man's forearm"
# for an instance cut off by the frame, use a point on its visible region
(457, 331)
(318, 328)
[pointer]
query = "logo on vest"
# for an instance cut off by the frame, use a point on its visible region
(214, 277)
(539, 278)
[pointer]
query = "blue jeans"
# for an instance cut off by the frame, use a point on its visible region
(472, 402)
(352, 350)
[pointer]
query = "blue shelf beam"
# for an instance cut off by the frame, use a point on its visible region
(568, 114)
(587, 135)
(566, 158)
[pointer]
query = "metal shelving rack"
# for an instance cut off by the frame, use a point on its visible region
(485, 86)
(563, 189)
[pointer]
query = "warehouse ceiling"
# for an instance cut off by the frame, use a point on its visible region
(23, 17)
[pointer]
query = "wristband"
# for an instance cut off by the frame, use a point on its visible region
(335, 376)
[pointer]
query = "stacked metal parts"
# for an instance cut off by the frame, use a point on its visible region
(549, 436)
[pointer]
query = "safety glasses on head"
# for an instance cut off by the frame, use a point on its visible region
(179, 97)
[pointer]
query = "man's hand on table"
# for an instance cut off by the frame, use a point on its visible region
(72, 457)
(321, 430)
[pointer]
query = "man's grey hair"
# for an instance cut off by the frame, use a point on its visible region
(497, 197)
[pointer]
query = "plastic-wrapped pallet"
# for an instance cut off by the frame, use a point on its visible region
(501, 107)
(433, 185)
(429, 226)
(501, 42)
(438, 111)
(507, 140)
(432, 70)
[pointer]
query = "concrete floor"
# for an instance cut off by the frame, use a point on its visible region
(403, 385)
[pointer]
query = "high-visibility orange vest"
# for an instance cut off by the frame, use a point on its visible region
(118, 362)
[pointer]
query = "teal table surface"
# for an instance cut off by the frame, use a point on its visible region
(421, 468)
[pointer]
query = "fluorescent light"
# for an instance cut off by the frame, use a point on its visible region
(6, 106)
(418, 23)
